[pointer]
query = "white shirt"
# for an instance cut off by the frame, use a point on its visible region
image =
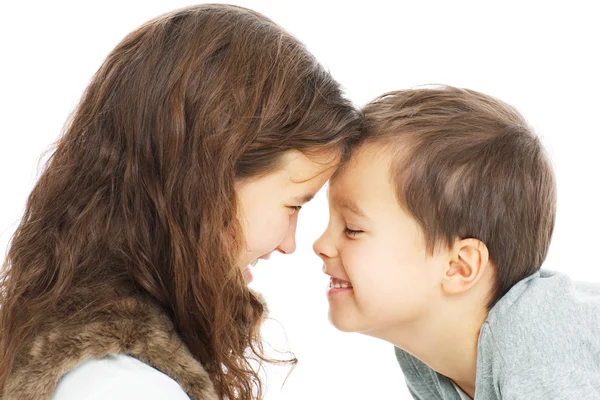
(463, 395)
(117, 377)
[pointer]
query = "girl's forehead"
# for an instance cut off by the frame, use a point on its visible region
(302, 168)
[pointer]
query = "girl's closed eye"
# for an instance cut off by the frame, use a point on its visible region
(351, 232)
(295, 208)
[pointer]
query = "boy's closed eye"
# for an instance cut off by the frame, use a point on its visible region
(352, 232)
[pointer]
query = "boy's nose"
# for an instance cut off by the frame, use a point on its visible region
(324, 248)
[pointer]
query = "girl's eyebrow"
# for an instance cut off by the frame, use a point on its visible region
(303, 199)
(295, 179)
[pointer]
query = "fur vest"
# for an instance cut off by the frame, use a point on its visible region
(131, 325)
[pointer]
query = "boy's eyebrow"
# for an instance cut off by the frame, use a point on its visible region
(351, 206)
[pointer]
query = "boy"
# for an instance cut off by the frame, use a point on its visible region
(438, 227)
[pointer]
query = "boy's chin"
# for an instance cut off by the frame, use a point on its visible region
(343, 324)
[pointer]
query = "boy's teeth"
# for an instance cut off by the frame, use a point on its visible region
(335, 283)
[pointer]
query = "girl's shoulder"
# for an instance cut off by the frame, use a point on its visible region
(117, 377)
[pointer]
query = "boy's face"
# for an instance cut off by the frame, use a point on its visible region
(379, 249)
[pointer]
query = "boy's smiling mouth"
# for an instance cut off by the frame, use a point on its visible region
(337, 285)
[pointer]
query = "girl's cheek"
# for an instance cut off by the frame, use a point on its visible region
(275, 232)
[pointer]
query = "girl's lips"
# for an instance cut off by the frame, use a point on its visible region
(248, 275)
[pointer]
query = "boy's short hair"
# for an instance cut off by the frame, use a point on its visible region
(466, 165)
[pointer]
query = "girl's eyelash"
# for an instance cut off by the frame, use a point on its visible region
(296, 208)
(351, 232)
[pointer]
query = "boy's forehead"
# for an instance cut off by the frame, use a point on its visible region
(340, 187)
(366, 161)
(348, 203)
(367, 174)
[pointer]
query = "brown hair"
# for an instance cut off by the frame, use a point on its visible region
(466, 165)
(139, 191)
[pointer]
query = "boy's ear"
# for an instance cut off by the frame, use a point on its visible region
(468, 260)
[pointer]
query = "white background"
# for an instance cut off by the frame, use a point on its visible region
(541, 57)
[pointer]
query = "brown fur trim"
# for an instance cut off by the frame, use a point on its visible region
(132, 326)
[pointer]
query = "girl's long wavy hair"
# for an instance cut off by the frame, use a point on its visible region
(139, 190)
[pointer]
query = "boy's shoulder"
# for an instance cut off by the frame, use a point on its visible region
(544, 308)
(542, 338)
(543, 334)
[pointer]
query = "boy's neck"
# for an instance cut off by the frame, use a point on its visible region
(448, 343)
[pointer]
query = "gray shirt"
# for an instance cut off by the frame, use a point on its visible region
(540, 341)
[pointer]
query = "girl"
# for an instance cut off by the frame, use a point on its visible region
(187, 159)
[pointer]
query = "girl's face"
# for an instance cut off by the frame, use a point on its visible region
(269, 205)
